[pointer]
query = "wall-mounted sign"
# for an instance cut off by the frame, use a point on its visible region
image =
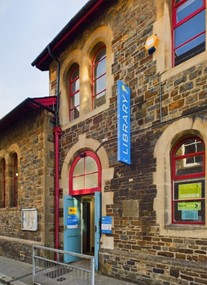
(123, 123)
(29, 219)
(106, 225)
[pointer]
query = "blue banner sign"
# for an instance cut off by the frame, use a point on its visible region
(123, 123)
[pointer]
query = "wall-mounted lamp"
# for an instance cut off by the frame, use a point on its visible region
(151, 44)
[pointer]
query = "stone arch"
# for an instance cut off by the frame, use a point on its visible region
(13, 166)
(107, 172)
(100, 35)
(162, 176)
(73, 57)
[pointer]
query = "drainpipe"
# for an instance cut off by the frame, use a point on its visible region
(57, 133)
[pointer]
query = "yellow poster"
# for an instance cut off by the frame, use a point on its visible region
(72, 211)
(189, 191)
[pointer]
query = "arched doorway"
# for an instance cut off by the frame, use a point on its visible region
(82, 207)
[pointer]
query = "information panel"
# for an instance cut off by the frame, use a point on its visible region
(29, 219)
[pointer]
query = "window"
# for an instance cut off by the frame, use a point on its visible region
(85, 174)
(189, 28)
(74, 92)
(2, 182)
(99, 77)
(13, 175)
(188, 184)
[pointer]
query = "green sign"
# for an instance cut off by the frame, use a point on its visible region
(189, 206)
(189, 191)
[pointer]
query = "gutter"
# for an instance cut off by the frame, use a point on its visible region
(57, 133)
(42, 61)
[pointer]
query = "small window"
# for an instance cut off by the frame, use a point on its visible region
(85, 174)
(189, 29)
(13, 176)
(2, 182)
(99, 77)
(74, 92)
(188, 182)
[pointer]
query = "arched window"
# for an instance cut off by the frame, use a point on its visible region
(99, 76)
(2, 182)
(13, 175)
(189, 28)
(74, 92)
(188, 182)
(85, 174)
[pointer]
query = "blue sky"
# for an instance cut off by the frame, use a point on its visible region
(26, 27)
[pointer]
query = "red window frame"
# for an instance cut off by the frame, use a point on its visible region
(3, 167)
(187, 178)
(14, 185)
(85, 190)
(72, 81)
(176, 5)
(95, 78)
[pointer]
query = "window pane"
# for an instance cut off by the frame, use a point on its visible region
(78, 183)
(100, 68)
(100, 56)
(189, 166)
(75, 100)
(91, 165)
(2, 183)
(193, 211)
(74, 113)
(100, 99)
(100, 84)
(189, 190)
(75, 86)
(191, 145)
(190, 29)
(190, 49)
(79, 168)
(75, 74)
(92, 180)
(187, 9)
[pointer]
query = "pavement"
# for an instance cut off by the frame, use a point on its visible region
(15, 272)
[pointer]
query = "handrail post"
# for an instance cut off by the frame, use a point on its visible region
(93, 271)
(33, 263)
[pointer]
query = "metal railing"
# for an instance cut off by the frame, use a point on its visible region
(49, 267)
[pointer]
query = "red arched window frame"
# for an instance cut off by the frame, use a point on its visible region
(188, 181)
(189, 28)
(14, 181)
(74, 92)
(3, 183)
(85, 174)
(99, 77)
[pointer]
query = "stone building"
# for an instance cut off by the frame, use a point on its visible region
(27, 178)
(144, 218)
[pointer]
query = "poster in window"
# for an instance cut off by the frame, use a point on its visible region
(189, 191)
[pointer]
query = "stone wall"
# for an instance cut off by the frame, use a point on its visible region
(32, 138)
(139, 252)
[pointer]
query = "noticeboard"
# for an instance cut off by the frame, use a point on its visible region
(29, 219)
